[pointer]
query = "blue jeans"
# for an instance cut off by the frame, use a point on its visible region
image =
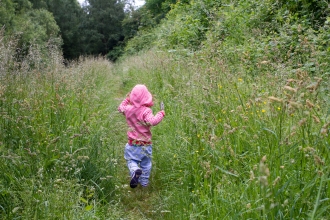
(139, 157)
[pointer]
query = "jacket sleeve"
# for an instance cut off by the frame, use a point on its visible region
(123, 104)
(151, 119)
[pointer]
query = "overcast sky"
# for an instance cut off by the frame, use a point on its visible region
(137, 2)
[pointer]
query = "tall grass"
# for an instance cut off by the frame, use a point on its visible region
(235, 145)
(245, 136)
(57, 157)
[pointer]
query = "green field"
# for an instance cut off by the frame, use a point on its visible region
(232, 145)
(245, 136)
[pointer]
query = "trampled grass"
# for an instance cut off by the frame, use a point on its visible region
(233, 145)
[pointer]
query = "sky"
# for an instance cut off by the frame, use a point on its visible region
(137, 2)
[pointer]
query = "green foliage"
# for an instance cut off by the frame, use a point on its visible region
(104, 26)
(54, 157)
(185, 27)
(30, 27)
(246, 131)
(6, 12)
(258, 85)
(220, 123)
(143, 41)
(69, 17)
(158, 8)
(313, 12)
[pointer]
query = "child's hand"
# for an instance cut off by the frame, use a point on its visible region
(161, 105)
(127, 96)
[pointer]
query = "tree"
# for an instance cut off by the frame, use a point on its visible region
(28, 25)
(103, 25)
(68, 15)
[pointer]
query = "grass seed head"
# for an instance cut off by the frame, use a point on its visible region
(324, 131)
(263, 180)
(295, 104)
(252, 175)
(302, 122)
(309, 104)
(318, 161)
(289, 88)
(274, 99)
(325, 126)
(316, 119)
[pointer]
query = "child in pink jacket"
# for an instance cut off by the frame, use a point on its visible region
(139, 117)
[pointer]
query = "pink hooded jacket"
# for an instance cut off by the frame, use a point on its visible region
(138, 113)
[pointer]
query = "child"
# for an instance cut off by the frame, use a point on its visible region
(139, 117)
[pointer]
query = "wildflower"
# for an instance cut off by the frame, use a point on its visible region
(240, 79)
(263, 110)
(279, 108)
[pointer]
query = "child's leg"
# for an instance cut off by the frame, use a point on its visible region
(146, 164)
(131, 156)
(132, 166)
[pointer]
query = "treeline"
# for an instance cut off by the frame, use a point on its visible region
(99, 27)
(112, 28)
(191, 25)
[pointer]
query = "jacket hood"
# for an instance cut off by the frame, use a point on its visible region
(140, 96)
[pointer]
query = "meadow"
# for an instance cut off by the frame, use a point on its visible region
(246, 135)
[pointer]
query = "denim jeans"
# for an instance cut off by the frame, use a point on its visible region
(139, 157)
